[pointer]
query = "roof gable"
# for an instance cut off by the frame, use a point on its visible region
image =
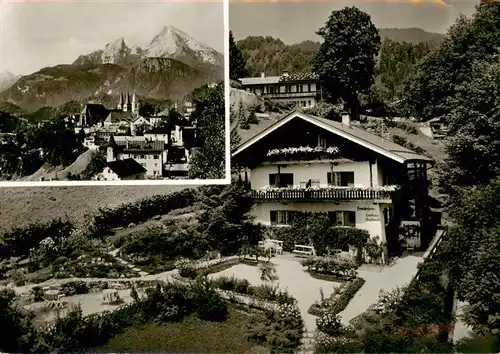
(359, 136)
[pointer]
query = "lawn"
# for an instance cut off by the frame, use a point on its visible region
(190, 335)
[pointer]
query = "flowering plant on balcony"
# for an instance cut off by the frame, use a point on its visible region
(390, 188)
(303, 152)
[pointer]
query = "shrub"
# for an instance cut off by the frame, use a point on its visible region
(37, 292)
(135, 212)
(281, 330)
(329, 323)
(342, 268)
(207, 303)
(75, 288)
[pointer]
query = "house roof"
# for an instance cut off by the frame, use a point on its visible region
(142, 146)
(119, 116)
(95, 111)
(125, 168)
(270, 80)
(359, 136)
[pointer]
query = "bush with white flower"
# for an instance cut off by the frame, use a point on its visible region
(388, 300)
(329, 323)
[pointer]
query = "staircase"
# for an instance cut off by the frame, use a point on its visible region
(307, 343)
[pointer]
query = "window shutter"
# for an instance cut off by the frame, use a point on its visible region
(272, 179)
(273, 216)
(350, 218)
(329, 177)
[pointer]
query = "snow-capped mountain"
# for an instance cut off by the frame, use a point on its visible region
(169, 43)
(173, 43)
(7, 79)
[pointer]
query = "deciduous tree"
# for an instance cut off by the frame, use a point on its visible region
(345, 62)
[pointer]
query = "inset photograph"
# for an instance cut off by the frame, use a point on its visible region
(112, 92)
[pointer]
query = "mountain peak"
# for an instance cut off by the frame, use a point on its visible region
(172, 42)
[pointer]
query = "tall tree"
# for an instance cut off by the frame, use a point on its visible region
(345, 62)
(237, 64)
(209, 160)
(444, 70)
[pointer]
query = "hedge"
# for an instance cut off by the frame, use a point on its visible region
(19, 241)
(142, 210)
(339, 300)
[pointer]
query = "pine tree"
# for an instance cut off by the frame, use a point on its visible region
(237, 64)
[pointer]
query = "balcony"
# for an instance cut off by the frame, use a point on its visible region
(323, 194)
(284, 95)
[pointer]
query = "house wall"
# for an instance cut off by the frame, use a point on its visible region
(369, 216)
(109, 175)
(259, 176)
(153, 166)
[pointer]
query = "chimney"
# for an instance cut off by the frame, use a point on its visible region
(262, 74)
(346, 120)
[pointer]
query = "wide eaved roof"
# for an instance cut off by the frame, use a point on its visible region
(357, 135)
(141, 146)
(126, 168)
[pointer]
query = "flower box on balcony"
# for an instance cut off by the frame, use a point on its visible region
(324, 193)
(302, 153)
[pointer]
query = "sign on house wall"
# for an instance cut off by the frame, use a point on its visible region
(371, 213)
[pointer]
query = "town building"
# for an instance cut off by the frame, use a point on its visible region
(439, 127)
(152, 155)
(300, 88)
(120, 170)
(304, 163)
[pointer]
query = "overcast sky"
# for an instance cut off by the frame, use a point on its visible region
(296, 21)
(39, 33)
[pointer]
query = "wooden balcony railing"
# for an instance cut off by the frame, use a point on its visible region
(323, 194)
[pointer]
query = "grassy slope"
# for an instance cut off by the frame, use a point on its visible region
(21, 206)
(190, 335)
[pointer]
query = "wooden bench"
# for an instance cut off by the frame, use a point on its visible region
(304, 250)
(270, 244)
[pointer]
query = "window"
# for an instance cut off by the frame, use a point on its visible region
(322, 141)
(281, 180)
(341, 179)
(156, 164)
(309, 88)
(281, 217)
(288, 88)
(343, 218)
(156, 157)
(271, 90)
(309, 103)
(143, 156)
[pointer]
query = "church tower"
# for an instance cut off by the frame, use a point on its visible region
(128, 105)
(120, 104)
(111, 149)
(135, 104)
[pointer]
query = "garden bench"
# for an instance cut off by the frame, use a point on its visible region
(304, 250)
(276, 245)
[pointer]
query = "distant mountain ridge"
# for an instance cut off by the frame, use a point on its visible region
(7, 79)
(172, 65)
(170, 43)
(272, 56)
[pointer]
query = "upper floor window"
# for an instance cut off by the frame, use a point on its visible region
(343, 218)
(417, 171)
(308, 87)
(322, 141)
(156, 157)
(288, 88)
(281, 179)
(341, 179)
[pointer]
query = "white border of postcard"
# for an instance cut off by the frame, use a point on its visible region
(167, 182)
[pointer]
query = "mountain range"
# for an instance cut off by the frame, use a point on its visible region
(169, 67)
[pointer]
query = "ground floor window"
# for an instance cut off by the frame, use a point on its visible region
(281, 217)
(343, 218)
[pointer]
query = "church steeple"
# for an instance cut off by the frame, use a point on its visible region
(120, 104)
(127, 105)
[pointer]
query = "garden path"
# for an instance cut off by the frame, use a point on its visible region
(461, 329)
(389, 278)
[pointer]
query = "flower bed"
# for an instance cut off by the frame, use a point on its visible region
(327, 188)
(192, 269)
(337, 269)
(339, 300)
